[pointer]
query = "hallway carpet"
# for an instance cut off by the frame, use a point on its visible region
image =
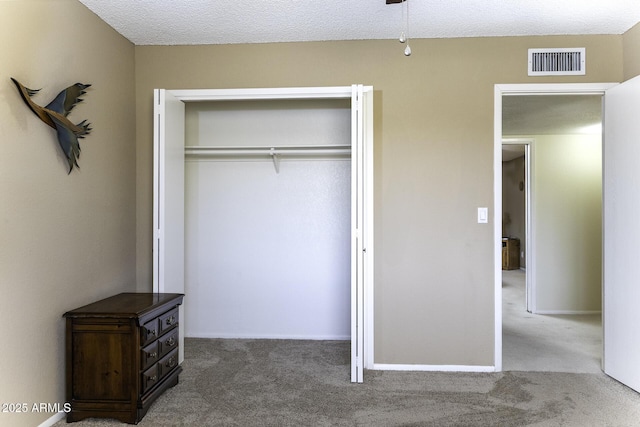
(551, 343)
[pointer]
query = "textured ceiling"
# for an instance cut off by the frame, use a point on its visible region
(548, 115)
(551, 114)
(184, 22)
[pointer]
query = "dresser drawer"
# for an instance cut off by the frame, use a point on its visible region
(168, 363)
(168, 320)
(150, 377)
(168, 342)
(149, 355)
(149, 331)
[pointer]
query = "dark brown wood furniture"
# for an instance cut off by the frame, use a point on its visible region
(121, 354)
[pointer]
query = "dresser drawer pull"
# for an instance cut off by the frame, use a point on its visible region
(171, 362)
(153, 378)
(171, 320)
(152, 355)
(171, 342)
(151, 332)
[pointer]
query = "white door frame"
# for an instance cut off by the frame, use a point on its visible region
(362, 219)
(501, 90)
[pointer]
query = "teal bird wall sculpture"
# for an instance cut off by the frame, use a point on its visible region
(55, 115)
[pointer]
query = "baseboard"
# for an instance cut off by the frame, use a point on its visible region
(53, 419)
(567, 312)
(433, 368)
(270, 337)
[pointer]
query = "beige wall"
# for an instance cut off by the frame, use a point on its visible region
(66, 240)
(567, 222)
(631, 45)
(434, 286)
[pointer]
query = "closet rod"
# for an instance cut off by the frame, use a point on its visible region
(194, 150)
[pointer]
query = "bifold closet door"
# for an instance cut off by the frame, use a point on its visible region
(267, 255)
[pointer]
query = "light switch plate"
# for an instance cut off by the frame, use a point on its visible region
(483, 215)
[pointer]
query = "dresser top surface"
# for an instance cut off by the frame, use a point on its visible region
(126, 305)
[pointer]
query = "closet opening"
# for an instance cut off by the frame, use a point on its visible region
(266, 197)
(267, 219)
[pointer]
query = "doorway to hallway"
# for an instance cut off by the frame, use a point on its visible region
(551, 320)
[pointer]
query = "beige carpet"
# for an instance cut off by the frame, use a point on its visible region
(550, 343)
(306, 383)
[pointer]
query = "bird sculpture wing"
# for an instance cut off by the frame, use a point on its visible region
(64, 102)
(68, 138)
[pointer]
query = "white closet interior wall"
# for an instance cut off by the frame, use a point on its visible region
(267, 253)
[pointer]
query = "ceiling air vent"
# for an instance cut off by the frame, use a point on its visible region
(557, 62)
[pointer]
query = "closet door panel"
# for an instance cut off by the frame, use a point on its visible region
(267, 254)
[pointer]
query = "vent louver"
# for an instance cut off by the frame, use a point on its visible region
(557, 62)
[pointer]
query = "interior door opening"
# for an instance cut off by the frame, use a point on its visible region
(566, 295)
(536, 300)
(516, 204)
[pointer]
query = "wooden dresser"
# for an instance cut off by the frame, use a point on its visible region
(121, 354)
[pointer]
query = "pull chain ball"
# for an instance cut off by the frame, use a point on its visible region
(404, 38)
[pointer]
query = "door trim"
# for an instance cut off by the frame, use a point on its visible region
(501, 90)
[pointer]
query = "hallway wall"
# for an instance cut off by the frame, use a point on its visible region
(567, 213)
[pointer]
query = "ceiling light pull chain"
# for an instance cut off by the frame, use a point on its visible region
(407, 50)
(403, 36)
